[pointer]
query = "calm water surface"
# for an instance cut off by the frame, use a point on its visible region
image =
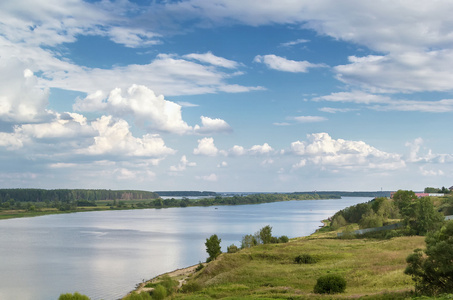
(105, 254)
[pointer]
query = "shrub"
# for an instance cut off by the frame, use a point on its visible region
(200, 267)
(160, 292)
(330, 284)
(283, 239)
(391, 234)
(191, 287)
(305, 259)
(75, 296)
(169, 284)
(136, 296)
(232, 249)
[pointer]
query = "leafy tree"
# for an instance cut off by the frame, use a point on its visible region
(385, 207)
(403, 199)
(353, 214)
(371, 220)
(75, 296)
(213, 247)
(338, 221)
(248, 241)
(266, 234)
(433, 272)
(431, 190)
(421, 216)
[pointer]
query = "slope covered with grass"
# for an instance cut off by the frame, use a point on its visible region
(370, 267)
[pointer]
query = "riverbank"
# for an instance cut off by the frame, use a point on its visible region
(179, 275)
(372, 269)
(20, 209)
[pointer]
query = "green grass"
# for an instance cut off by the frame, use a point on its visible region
(372, 269)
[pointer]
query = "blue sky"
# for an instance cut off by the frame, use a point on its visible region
(225, 95)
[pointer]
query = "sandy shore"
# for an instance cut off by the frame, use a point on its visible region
(180, 275)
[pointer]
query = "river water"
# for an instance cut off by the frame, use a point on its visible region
(105, 254)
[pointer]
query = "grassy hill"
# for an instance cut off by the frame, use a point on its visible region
(372, 268)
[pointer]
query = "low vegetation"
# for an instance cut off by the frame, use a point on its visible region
(330, 284)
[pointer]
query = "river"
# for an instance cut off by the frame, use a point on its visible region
(104, 254)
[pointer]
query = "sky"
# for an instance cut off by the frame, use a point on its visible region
(226, 95)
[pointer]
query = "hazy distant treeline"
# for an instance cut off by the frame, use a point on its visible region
(70, 195)
(350, 194)
(186, 193)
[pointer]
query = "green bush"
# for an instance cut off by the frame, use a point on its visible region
(160, 292)
(136, 296)
(199, 267)
(191, 287)
(169, 284)
(283, 239)
(330, 284)
(305, 259)
(232, 249)
(75, 296)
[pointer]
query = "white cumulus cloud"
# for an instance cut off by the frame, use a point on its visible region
(206, 147)
(321, 149)
(142, 103)
(20, 98)
(114, 137)
(212, 126)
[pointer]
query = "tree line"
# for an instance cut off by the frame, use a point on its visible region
(70, 200)
(67, 195)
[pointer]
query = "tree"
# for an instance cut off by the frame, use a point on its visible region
(248, 241)
(433, 272)
(403, 199)
(422, 217)
(266, 234)
(213, 247)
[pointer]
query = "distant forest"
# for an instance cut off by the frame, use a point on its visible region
(69, 195)
(350, 194)
(186, 194)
